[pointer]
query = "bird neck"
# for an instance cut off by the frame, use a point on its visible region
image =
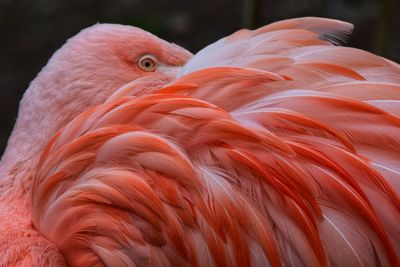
(43, 111)
(53, 99)
(18, 162)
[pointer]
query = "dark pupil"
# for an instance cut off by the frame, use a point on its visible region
(147, 64)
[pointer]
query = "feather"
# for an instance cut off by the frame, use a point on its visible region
(273, 147)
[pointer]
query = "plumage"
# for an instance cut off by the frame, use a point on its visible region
(272, 147)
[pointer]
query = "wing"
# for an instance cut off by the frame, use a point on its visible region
(305, 48)
(234, 164)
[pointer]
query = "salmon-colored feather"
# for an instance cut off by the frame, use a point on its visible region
(272, 147)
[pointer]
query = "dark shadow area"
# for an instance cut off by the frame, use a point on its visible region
(32, 30)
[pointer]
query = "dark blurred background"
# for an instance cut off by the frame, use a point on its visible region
(31, 30)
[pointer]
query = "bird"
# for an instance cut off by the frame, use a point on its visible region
(277, 146)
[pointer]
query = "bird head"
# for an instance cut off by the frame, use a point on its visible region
(102, 58)
(85, 71)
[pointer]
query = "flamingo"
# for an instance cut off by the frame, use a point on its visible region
(270, 147)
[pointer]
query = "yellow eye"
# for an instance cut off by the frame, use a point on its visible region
(148, 63)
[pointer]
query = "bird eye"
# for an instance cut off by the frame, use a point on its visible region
(148, 63)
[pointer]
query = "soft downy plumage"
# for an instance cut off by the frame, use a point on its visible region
(272, 147)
